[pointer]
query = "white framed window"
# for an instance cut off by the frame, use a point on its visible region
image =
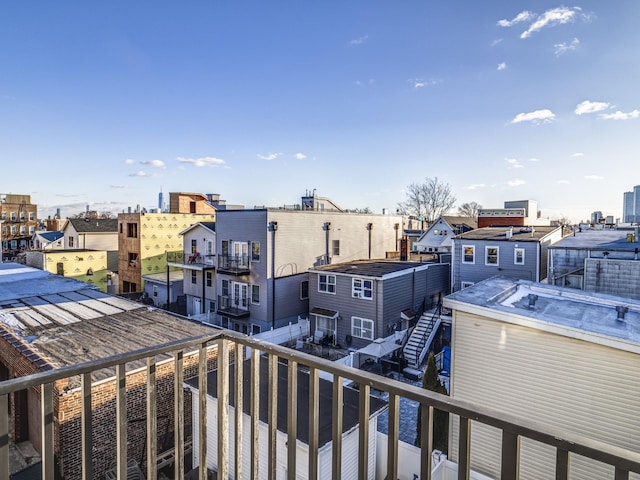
(518, 256)
(194, 277)
(326, 325)
(155, 290)
(304, 290)
(362, 288)
(464, 285)
(468, 254)
(362, 328)
(255, 251)
(255, 294)
(491, 255)
(225, 288)
(14, 216)
(32, 216)
(71, 242)
(209, 279)
(335, 248)
(327, 283)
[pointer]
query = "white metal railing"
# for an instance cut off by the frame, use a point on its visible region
(228, 346)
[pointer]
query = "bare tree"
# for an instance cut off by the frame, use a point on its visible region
(428, 200)
(562, 221)
(469, 209)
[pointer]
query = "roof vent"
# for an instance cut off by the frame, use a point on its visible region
(532, 299)
(622, 310)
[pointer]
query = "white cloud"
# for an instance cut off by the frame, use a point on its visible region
(269, 156)
(516, 182)
(300, 156)
(420, 83)
(593, 177)
(590, 107)
(475, 186)
(534, 159)
(139, 173)
(154, 163)
(621, 115)
(129, 161)
(202, 161)
(562, 182)
(521, 17)
(514, 163)
(578, 154)
(496, 42)
(361, 83)
(562, 48)
(551, 18)
(502, 66)
(537, 116)
(359, 40)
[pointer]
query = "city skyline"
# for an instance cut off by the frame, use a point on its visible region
(110, 104)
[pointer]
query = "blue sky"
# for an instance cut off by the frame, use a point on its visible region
(107, 103)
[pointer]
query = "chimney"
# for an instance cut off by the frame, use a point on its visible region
(622, 310)
(509, 233)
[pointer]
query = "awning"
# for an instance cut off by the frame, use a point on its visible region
(323, 312)
(379, 348)
(407, 314)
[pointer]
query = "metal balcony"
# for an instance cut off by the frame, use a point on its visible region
(233, 307)
(234, 264)
(224, 347)
(191, 261)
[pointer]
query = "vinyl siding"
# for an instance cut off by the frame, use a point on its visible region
(569, 384)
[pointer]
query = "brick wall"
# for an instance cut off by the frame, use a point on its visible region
(613, 277)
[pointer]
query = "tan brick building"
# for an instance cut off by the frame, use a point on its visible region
(18, 223)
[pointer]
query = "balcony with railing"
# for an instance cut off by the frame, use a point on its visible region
(192, 261)
(234, 264)
(233, 307)
(220, 439)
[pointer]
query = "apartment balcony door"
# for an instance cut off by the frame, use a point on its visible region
(240, 295)
(208, 252)
(197, 306)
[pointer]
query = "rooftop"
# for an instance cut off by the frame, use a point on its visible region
(369, 268)
(95, 225)
(174, 276)
(498, 234)
(599, 239)
(573, 313)
(64, 322)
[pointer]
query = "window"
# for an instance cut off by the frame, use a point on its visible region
(518, 256)
(304, 290)
(32, 230)
(465, 284)
(120, 228)
(225, 288)
(31, 216)
(491, 255)
(194, 277)
(194, 246)
(255, 294)
(327, 283)
(14, 216)
(60, 268)
(133, 259)
(209, 277)
(71, 242)
(362, 288)
(225, 247)
(4, 216)
(255, 251)
(155, 290)
(132, 230)
(23, 230)
(335, 248)
(468, 254)
(326, 325)
(14, 229)
(362, 328)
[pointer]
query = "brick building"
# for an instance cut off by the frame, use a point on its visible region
(18, 218)
(48, 322)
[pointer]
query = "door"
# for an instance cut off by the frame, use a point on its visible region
(240, 295)
(208, 253)
(197, 306)
(241, 253)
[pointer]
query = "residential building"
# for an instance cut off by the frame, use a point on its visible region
(47, 240)
(93, 234)
(48, 323)
(197, 258)
(164, 290)
(597, 260)
(516, 252)
(264, 256)
(631, 206)
(349, 440)
(566, 361)
(18, 217)
(516, 213)
(437, 238)
(144, 238)
(354, 303)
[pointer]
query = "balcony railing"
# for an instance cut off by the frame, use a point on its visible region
(190, 260)
(233, 307)
(234, 264)
(228, 346)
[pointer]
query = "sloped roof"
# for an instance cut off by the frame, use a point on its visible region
(50, 236)
(455, 221)
(498, 234)
(95, 225)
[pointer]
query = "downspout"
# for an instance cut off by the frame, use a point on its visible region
(326, 228)
(168, 290)
(369, 228)
(273, 226)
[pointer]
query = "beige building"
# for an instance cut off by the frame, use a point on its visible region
(18, 220)
(144, 238)
(564, 359)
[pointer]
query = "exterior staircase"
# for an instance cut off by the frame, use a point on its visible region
(421, 337)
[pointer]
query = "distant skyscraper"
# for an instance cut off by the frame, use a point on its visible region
(160, 202)
(631, 205)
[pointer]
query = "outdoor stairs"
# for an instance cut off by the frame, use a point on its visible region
(421, 337)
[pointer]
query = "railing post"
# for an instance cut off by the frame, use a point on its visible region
(363, 418)
(178, 414)
(203, 385)
(464, 450)
(392, 437)
(4, 436)
(426, 440)
(510, 456)
(121, 420)
(255, 412)
(152, 420)
(239, 412)
(47, 431)
(314, 402)
(292, 418)
(338, 398)
(273, 418)
(562, 464)
(86, 427)
(223, 409)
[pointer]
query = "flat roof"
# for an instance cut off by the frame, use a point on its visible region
(57, 321)
(174, 276)
(570, 312)
(520, 234)
(350, 410)
(370, 268)
(597, 239)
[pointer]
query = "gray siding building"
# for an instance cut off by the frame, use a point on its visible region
(356, 302)
(514, 252)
